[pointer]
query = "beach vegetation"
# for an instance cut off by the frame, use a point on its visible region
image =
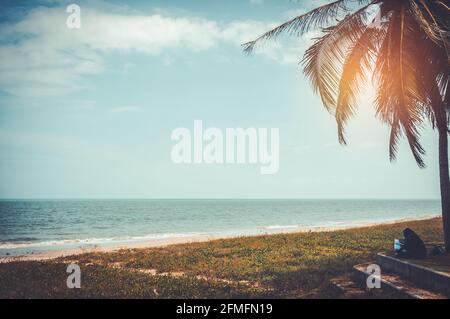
(291, 265)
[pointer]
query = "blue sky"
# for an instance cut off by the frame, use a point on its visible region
(88, 113)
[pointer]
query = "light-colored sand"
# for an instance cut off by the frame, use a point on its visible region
(52, 254)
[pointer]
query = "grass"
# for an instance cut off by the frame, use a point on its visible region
(298, 265)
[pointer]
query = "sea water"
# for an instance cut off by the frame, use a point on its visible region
(29, 226)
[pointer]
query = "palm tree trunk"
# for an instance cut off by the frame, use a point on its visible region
(445, 182)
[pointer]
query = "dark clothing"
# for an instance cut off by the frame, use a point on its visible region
(412, 246)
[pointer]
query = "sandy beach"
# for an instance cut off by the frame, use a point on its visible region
(52, 254)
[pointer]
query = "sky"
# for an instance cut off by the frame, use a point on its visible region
(89, 112)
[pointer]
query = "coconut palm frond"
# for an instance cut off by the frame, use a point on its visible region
(323, 61)
(438, 12)
(434, 80)
(439, 15)
(323, 78)
(398, 99)
(426, 23)
(381, 79)
(319, 17)
(408, 52)
(358, 63)
(445, 6)
(394, 138)
(445, 89)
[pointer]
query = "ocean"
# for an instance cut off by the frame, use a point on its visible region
(30, 226)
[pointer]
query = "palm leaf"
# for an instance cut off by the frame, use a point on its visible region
(319, 17)
(323, 61)
(425, 22)
(409, 57)
(358, 63)
(398, 100)
(438, 15)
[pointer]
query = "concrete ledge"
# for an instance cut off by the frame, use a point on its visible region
(395, 284)
(412, 271)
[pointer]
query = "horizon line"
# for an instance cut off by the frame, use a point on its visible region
(205, 198)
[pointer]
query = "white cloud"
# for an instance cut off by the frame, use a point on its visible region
(284, 55)
(126, 109)
(63, 146)
(304, 7)
(47, 58)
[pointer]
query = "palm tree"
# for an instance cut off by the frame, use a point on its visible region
(404, 50)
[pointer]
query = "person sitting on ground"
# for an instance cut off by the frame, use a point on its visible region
(412, 246)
